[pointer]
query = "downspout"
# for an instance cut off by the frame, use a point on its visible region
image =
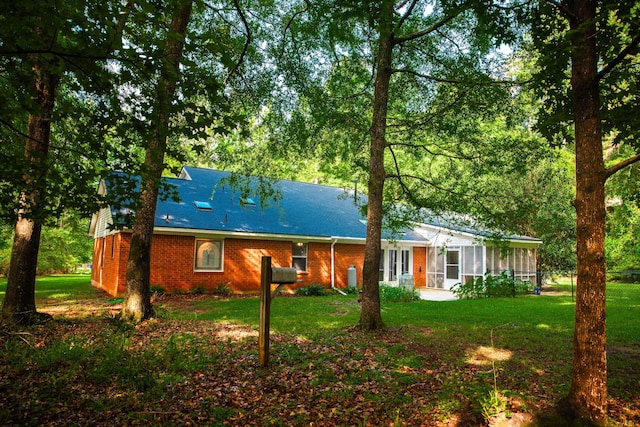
(333, 267)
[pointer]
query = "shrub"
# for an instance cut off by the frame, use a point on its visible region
(157, 290)
(222, 288)
(311, 291)
(349, 290)
(198, 290)
(491, 287)
(390, 293)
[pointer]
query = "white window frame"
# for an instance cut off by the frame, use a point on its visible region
(304, 257)
(199, 243)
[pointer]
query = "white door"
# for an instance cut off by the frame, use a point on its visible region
(394, 262)
(452, 268)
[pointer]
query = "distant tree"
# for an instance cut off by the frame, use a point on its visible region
(622, 241)
(65, 246)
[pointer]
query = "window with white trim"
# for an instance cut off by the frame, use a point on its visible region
(299, 256)
(208, 255)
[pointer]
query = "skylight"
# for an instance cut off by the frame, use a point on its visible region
(248, 201)
(202, 206)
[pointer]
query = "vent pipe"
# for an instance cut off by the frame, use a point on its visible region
(355, 191)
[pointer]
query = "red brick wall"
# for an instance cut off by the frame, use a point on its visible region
(109, 267)
(172, 263)
(347, 255)
(96, 270)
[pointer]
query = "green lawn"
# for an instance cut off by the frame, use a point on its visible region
(437, 362)
(61, 287)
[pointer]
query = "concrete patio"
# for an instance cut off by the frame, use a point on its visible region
(436, 294)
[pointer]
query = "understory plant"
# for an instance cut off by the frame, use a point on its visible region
(311, 291)
(491, 286)
(390, 293)
(223, 289)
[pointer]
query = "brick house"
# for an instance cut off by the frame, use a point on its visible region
(215, 234)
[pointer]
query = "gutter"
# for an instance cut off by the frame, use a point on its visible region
(333, 267)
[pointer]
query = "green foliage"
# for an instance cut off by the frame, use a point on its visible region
(491, 286)
(156, 289)
(350, 290)
(63, 247)
(87, 32)
(222, 289)
(311, 291)
(392, 294)
(551, 40)
(622, 241)
(198, 290)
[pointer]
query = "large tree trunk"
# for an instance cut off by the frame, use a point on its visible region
(19, 303)
(588, 393)
(137, 302)
(370, 317)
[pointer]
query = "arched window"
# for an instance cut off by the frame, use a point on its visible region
(208, 255)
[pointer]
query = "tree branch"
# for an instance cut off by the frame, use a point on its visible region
(407, 14)
(621, 165)
(246, 42)
(286, 28)
(458, 82)
(434, 27)
(618, 59)
(562, 8)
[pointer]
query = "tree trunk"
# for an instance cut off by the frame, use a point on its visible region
(370, 317)
(19, 303)
(588, 393)
(137, 302)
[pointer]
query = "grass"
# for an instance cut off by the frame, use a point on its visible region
(61, 287)
(450, 362)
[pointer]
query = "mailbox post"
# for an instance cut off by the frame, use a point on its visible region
(269, 275)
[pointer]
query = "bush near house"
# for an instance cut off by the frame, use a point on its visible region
(390, 293)
(490, 286)
(311, 291)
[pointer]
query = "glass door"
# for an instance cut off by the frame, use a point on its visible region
(452, 267)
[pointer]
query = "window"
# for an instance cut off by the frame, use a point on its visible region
(299, 256)
(405, 261)
(453, 264)
(472, 263)
(393, 263)
(208, 255)
(381, 267)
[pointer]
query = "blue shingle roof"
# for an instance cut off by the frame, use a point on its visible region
(303, 209)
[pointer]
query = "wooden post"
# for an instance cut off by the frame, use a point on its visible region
(265, 309)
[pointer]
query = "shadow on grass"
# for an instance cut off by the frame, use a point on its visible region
(439, 363)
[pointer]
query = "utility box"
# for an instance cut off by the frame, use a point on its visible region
(284, 276)
(351, 276)
(406, 281)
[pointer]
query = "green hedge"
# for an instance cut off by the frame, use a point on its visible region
(490, 286)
